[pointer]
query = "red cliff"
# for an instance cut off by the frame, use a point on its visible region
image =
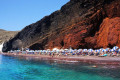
(109, 33)
(79, 24)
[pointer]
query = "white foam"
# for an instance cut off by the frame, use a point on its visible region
(1, 46)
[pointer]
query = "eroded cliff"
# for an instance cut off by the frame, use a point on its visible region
(79, 24)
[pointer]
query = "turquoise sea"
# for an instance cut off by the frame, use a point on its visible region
(12, 68)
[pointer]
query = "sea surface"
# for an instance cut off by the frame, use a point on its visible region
(12, 68)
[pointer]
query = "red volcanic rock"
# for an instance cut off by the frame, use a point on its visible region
(112, 10)
(79, 24)
(109, 33)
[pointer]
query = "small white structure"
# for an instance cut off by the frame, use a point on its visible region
(1, 46)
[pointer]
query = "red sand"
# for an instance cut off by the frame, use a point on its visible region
(88, 59)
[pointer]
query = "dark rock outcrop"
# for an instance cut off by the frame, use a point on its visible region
(79, 24)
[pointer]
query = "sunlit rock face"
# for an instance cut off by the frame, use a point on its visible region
(109, 33)
(79, 24)
(6, 35)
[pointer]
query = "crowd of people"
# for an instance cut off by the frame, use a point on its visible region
(115, 51)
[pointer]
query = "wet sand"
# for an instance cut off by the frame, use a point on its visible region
(88, 59)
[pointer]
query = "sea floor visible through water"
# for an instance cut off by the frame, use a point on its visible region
(17, 68)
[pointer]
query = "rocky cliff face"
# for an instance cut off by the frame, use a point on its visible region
(6, 35)
(79, 24)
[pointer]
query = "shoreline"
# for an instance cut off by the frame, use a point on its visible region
(85, 59)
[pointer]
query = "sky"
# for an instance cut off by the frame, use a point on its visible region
(17, 14)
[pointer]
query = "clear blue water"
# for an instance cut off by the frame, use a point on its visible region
(12, 68)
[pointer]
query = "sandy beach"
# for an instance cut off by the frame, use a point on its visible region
(87, 59)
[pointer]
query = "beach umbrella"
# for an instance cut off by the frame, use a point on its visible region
(119, 50)
(111, 50)
(30, 51)
(52, 51)
(90, 50)
(115, 47)
(75, 49)
(97, 50)
(37, 51)
(107, 49)
(71, 51)
(33, 51)
(40, 50)
(27, 49)
(66, 49)
(43, 50)
(104, 50)
(61, 50)
(55, 49)
(48, 49)
(84, 50)
(11, 50)
(79, 49)
(101, 49)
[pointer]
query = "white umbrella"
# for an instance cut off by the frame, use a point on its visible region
(111, 50)
(119, 50)
(71, 51)
(61, 50)
(40, 50)
(75, 49)
(115, 47)
(79, 49)
(84, 50)
(107, 49)
(97, 50)
(104, 50)
(101, 49)
(90, 50)
(66, 49)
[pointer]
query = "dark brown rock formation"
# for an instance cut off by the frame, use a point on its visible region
(79, 24)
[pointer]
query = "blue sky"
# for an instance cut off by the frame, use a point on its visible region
(16, 14)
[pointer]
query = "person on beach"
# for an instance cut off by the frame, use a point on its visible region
(50, 53)
(114, 54)
(66, 53)
(53, 54)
